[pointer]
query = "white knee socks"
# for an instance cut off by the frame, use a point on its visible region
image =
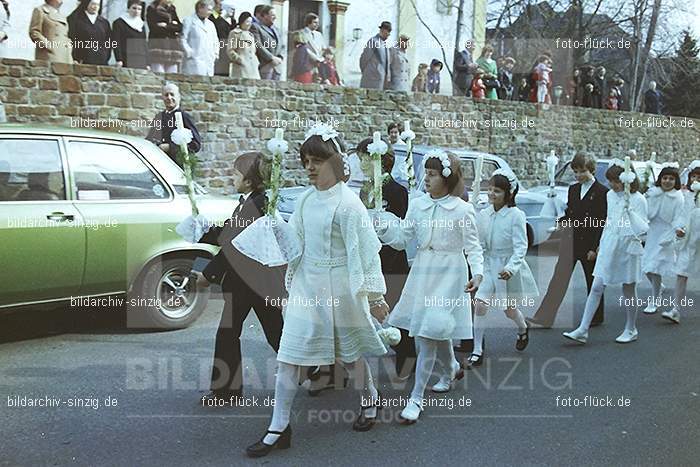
(592, 302)
(630, 293)
(681, 289)
(518, 318)
(286, 386)
(655, 280)
(361, 377)
(446, 357)
(427, 351)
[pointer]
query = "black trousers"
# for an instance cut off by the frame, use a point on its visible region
(556, 291)
(227, 373)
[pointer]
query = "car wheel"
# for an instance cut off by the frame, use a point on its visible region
(166, 296)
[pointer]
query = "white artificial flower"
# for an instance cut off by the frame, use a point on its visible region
(670, 165)
(390, 336)
(446, 172)
(695, 187)
(277, 146)
(510, 175)
(627, 177)
(380, 147)
(323, 130)
(408, 135)
(181, 136)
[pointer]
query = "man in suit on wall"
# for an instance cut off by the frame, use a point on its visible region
(582, 226)
(267, 43)
(375, 61)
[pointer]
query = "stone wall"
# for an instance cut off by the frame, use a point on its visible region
(235, 116)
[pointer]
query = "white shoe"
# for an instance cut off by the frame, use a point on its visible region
(411, 412)
(626, 337)
(577, 335)
(650, 309)
(446, 381)
(672, 315)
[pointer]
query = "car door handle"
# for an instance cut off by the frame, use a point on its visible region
(60, 217)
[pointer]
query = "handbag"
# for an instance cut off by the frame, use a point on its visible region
(491, 83)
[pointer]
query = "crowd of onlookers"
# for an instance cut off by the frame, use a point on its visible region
(213, 41)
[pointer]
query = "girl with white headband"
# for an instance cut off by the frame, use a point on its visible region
(688, 263)
(620, 251)
(507, 276)
(434, 307)
(335, 287)
(665, 209)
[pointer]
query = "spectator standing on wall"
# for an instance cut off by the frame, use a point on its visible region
(375, 61)
(600, 89)
(90, 33)
(164, 28)
(420, 81)
(314, 41)
(505, 78)
(652, 99)
(434, 76)
(490, 76)
(303, 65)
(523, 90)
(199, 41)
(130, 35)
(619, 85)
(48, 29)
(221, 16)
(464, 68)
(327, 69)
(240, 47)
(267, 43)
(400, 67)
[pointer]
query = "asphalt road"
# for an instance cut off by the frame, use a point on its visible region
(133, 398)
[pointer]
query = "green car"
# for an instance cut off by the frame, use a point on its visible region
(87, 218)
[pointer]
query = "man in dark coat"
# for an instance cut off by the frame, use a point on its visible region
(464, 68)
(164, 124)
(223, 28)
(652, 99)
(582, 226)
(245, 284)
(600, 89)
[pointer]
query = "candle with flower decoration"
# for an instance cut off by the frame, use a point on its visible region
(408, 136)
(476, 185)
(182, 137)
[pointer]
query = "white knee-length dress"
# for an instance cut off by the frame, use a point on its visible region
(688, 264)
(503, 236)
(327, 313)
(433, 302)
(665, 210)
(620, 252)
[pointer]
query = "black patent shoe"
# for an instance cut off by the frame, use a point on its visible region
(363, 423)
(474, 360)
(523, 339)
(260, 449)
(323, 380)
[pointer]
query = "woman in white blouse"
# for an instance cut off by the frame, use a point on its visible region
(507, 276)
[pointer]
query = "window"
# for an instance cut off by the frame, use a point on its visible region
(103, 171)
(31, 170)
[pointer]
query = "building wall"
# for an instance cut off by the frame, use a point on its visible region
(235, 116)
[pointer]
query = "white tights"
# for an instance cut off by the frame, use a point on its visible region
(681, 289)
(480, 324)
(287, 383)
(629, 292)
(655, 280)
(429, 351)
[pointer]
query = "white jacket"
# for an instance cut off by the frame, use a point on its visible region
(201, 46)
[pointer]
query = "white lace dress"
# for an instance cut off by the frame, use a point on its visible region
(327, 314)
(665, 216)
(688, 264)
(620, 253)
